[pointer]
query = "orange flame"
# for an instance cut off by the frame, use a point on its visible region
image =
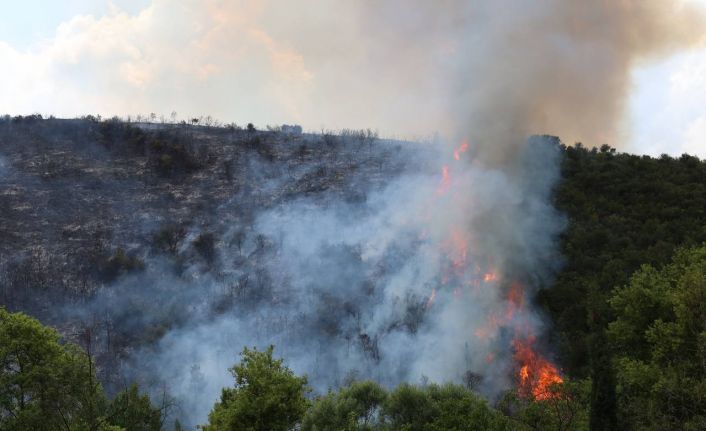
(445, 180)
(515, 300)
(461, 149)
(489, 276)
(490, 328)
(459, 248)
(536, 375)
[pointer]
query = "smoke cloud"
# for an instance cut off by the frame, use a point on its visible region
(409, 285)
(489, 71)
(509, 69)
(417, 279)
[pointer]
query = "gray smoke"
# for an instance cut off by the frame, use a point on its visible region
(383, 289)
(491, 71)
(396, 285)
(344, 289)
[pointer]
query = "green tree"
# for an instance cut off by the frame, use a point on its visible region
(134, 412)
(566, 410)
(441, 407)
(659, 336)
(267, 396)
(352, 408)
(44, 385)
(410, 408)
(366, 406)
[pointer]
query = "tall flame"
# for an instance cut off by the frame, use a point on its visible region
(536, 376)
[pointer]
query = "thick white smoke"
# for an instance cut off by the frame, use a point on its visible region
(395, 288)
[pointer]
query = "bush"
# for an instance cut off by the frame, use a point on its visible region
(49, 385)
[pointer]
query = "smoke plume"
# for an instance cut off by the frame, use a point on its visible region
(431, 276)
(420, 280)
(509, 69)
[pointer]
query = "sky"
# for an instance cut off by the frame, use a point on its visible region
(312, 63)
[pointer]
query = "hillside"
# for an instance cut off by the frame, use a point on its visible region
(130, 237)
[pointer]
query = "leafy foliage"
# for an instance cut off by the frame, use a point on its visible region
(46, 385)
(365, 406)
(43, 385)
(567, 409)
(267, 396)
(624, 211)
(660, 339)
(134, 412)
(356, 407)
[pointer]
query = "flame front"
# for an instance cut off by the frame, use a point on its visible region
(536, 376)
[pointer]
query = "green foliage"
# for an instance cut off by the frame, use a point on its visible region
(355, 407)
(267, 396)
(659, 335)
(624, 211)
(604, 415)
(48, 386)
(441, 407)
(367, 406)
(566, 410)
(134, 412)
(44, 385)
(410, 408)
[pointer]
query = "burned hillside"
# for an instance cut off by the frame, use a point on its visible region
(91, 208)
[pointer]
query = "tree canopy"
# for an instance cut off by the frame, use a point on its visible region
(659, 335)
(47, 385)
(267, 396)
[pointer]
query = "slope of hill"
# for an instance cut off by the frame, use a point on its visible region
(120, 234)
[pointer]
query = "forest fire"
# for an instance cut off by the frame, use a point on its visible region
(535, 375)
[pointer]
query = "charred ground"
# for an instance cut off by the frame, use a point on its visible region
(86, 203)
